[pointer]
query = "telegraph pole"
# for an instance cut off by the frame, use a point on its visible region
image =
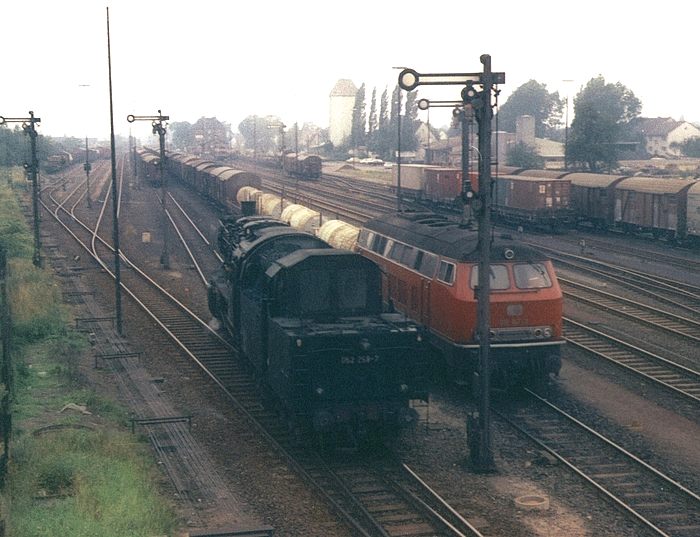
(28, 125)
(115, 201)
(87, 167)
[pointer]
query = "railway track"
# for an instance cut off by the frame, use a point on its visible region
(683, 296)
(640, 253)
(672, 376)
(653, 499)
(218, 359)
(686, 327)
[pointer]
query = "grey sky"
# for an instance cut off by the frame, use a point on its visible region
(232, 59)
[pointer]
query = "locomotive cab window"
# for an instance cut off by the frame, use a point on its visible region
(341, 292)
(499, 277)
(446, 273)
(531, 276)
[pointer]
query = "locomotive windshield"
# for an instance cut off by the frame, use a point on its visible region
(527, 276)
(531, 276)
(499, 277)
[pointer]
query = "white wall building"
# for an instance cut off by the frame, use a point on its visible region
(663, 135)
(342, 101)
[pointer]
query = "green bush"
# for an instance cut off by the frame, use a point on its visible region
(35, 302)
(14, 232)
(104, 480)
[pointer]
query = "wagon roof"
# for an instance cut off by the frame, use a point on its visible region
(204, 165)
(505, 170)
(547, 174)
(228, 173)
(534, 179)
(594, 180)
(654, 185)
(443, 237)
(216, 172)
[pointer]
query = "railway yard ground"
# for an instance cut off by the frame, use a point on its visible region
(252, 486)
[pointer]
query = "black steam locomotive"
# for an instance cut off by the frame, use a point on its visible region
(309, 319)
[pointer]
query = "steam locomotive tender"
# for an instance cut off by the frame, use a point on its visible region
(309, 319)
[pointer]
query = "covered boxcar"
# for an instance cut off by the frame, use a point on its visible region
(302, 165)
(226, 182)
(532, 200)
(593, 198)
(148, 166)
(443, 186)
(656, 205)
(694, 213)
(412, 179)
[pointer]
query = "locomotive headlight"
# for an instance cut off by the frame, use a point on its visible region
(508, 254)
(538, 333)
(547, 332)
(299, 342)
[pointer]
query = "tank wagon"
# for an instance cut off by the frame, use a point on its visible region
(309, 319)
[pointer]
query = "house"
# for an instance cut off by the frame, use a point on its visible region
(662, 136)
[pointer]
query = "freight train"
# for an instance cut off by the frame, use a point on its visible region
(218, 183)
(301, 165)
(309, 319)
(557, 200)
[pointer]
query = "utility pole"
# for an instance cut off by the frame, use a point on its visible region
(115, 201)
(28, 125)
(87, 167)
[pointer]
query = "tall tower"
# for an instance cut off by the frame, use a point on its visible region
(342, 99)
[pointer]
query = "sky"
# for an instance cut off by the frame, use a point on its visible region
(231, 59)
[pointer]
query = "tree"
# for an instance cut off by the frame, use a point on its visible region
(690, 147)
(396, 105)
(532, 99)
(409, 123)
(373, 124)
(384, 109)
(182, 134)
(601, 111)
(260, 133)
(523, 155)
(381, 142)
(359, 119)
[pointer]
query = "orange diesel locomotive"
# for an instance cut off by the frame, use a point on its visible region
(430, 266)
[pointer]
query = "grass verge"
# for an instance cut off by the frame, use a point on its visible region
(71, 472)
